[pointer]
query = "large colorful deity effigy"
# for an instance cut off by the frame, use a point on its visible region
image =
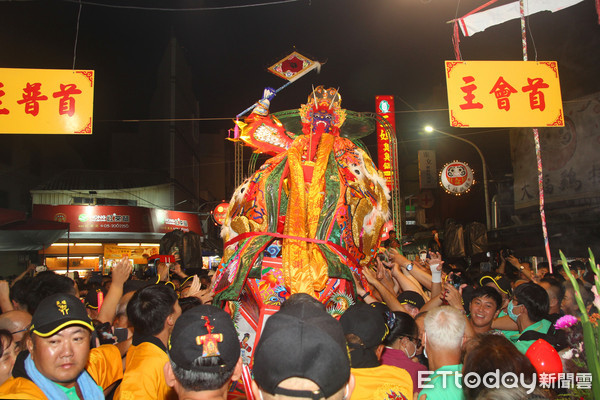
(304, 222)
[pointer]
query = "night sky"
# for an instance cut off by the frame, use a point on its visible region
(370, 47)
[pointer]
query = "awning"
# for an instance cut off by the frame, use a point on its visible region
(9, 216)
(32, 234)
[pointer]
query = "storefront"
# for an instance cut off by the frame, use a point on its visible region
(101, 235)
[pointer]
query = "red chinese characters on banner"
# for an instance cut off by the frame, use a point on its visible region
(504, 94)
(385, 108)
(2, 93)
(469, 89)
(66, 104)
(536, 98)
(32, 96)
(502, 90)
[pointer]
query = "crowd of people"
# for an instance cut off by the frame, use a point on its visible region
(424, 329)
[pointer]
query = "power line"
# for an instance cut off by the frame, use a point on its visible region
(93, 3)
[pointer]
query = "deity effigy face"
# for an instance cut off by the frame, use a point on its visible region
(321, 121)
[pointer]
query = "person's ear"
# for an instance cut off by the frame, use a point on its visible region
(30, 345)
(237, 370)
(523, 310)
(169, 375)
(171, 320)
(379, 351)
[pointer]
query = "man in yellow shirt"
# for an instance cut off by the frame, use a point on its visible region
(152, 311)
(60, 363)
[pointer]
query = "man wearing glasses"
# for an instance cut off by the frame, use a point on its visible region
(529, 310)
(16, 322)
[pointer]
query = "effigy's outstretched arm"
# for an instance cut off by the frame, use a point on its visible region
(264, 132)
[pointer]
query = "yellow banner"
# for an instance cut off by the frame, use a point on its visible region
(139, 255)
(504, 94)
(46, 101)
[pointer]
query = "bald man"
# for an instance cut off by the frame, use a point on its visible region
(16, 322)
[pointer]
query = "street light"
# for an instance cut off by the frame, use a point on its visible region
(431, 129)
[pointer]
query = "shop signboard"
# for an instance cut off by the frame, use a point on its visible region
(385, 108)
(118, 218)
(139, 254)
(164, 221)
(504, 94)
(46, 101)
(427, 169)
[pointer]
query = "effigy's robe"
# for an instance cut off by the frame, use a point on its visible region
(298, 226)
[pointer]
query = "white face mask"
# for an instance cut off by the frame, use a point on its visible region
(510, 312)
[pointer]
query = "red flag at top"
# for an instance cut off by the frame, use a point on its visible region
(293, 66)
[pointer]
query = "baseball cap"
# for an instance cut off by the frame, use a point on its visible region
(91, 299)
(499, 280)
(302, 340)
(58, 311)
(366, 322)
(204, 331)
(411, 298)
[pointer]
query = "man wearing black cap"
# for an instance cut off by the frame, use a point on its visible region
(365, 329)
(302, 353)
(204, 355)
(412, 301)
(60, 363)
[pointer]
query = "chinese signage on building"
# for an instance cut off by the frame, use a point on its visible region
(46, 101)
(140, 254)
(118, 218)
(570, 156)
(385, 108)
(427, 169)
(504, 94)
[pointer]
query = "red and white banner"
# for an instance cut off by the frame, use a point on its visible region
(478, 22)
